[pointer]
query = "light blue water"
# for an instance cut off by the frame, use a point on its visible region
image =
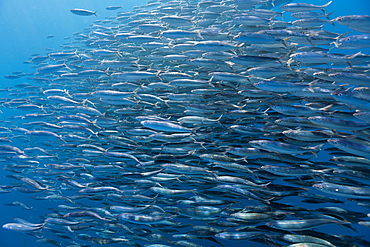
(24, 27)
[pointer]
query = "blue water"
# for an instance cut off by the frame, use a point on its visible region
(24, 28)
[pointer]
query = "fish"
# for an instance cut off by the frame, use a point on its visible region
(296, 7)
(353, 42)
(22, 227)
(145, 219)
(164, 126)
(113, 7)
(356, 22)
(239, 235)
(296, 225)
(281, 147)
(83, 12)
(351, 147)
(343, 190)
(194, 123)
(304, 238)
(337, 124)
(17, 203)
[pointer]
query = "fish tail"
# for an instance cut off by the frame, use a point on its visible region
(219, 118)
(318, 147)
(268, 201)
(67, 92)
(67, 66)
(325, 108)
(327, 15)
(42, 108)
(213, 174)
(284, 43)
(344, 224)
(332, 23)
(355, 55)
(265, 185)
(327, 4)
(60, 138)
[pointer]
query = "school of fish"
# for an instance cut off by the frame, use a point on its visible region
(196, 123)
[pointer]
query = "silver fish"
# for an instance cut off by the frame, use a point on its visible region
(83, 12)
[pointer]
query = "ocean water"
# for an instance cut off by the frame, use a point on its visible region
(24, 28)
(42, 26)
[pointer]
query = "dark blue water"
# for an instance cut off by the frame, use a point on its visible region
(24, 29)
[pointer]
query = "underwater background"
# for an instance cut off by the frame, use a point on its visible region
(24, 28)
(41, 26)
